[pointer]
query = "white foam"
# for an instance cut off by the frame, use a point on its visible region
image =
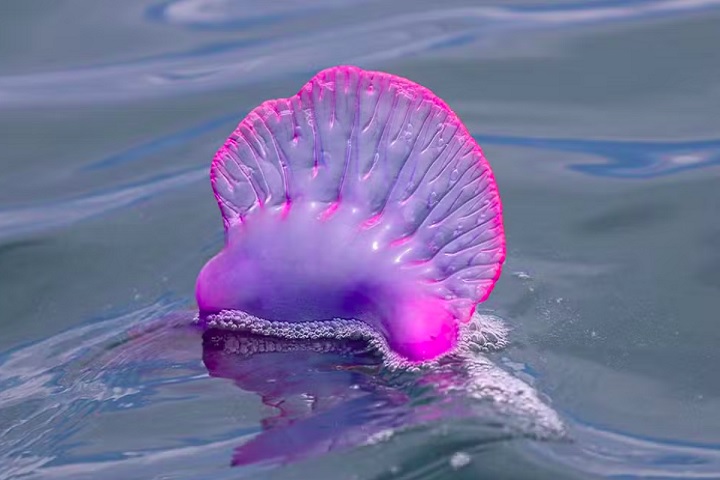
(484, 333)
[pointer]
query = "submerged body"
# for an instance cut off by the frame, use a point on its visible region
(361, 198)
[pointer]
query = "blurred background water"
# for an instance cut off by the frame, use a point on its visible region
(601, 120)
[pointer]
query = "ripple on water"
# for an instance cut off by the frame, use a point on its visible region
(237, 14)
(397, 35)
(332, 395)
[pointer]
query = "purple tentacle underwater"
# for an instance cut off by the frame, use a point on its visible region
(360, 207)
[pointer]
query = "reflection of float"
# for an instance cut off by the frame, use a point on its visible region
(329, 396)
(332, 395)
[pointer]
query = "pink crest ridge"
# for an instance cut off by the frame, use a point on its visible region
(361, 199)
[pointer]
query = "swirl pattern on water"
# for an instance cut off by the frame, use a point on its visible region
(626, 159)
(225, 65)
(234, 14)
(622, 159)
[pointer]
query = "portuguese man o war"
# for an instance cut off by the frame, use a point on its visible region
(360, 207)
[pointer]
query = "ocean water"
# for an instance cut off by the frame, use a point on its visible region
(601, 120)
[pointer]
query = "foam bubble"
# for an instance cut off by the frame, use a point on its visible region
(483, 333)
(460, 460)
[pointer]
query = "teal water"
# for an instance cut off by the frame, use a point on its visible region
(601, 120)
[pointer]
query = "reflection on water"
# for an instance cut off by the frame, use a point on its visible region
(324, 395)
(331, 395)
(321, 396)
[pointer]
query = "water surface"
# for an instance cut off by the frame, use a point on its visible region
(601, 120)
